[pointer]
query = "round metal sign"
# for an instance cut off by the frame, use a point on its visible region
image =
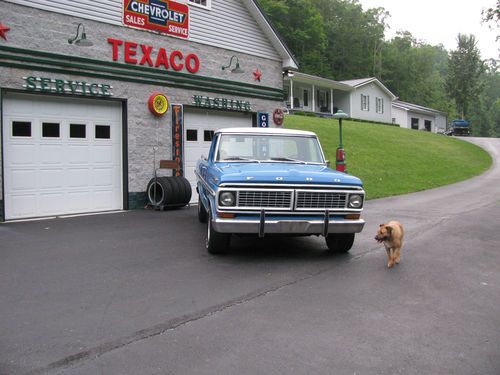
(158, 104)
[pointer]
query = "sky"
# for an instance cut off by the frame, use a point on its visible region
(440, 21)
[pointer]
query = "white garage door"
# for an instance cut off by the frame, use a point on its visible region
(199, 127)
(61, 156)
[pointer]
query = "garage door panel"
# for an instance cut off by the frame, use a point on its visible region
(78, 201)
(51, 203)
(65, 171)
(102, 154)
(103, 177)
(23, 205)
(78, 154)
(50, 154)
(22, 155)
(103, 199)
(23, 179)
(51, 178)
(78, 177)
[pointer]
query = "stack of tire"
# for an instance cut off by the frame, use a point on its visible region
(169, 192)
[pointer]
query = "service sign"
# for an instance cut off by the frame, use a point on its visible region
(165, 16)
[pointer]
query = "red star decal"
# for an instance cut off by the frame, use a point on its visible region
(257, 74)
(3, 30)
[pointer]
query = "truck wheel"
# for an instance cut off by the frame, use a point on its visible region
(340, 242)
(217, 243)
(202, 212)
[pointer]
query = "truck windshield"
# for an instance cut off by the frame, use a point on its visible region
(269, 148)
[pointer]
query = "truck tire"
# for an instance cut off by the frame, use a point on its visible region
(340, 242)
(216, 243)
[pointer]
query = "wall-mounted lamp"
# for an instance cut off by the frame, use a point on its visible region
(288, 73)
(80, 39)
(237, 68)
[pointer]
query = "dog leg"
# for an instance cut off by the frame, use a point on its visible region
(398, 255)
(390, 253)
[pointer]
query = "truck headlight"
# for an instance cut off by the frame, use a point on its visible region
(227, 199)
(355, 201)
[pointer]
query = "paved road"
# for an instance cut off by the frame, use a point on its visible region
(135, 293)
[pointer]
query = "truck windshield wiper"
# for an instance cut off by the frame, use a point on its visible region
(239, 158)
(288, 159)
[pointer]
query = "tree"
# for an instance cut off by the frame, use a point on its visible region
(301, 25)
(491, 15)
(464, 72)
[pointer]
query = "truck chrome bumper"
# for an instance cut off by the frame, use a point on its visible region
(261, 227)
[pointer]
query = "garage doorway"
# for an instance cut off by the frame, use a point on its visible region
(61, 156)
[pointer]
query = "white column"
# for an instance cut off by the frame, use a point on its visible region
(331, 101)
(291, 93)
(313, 98)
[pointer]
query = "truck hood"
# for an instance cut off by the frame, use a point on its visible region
(283, 173)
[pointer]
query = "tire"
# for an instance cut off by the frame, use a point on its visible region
(202, 212)
(172, 192)
(340, 242)
(158, 191)
(216, 243)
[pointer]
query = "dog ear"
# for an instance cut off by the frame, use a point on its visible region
(389, 229)
(381, 225)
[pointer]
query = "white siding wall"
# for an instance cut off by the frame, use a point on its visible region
(440, 122)
(401, 116)
(373, 91)
(227, 24)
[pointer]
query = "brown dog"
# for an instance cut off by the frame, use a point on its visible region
(391, 234)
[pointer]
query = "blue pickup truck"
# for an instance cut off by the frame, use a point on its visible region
(275, 182)
(459, 128)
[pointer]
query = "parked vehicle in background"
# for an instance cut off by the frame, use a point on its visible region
(459, 128)
(275, 181)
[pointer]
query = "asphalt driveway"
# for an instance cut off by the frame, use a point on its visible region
(136, 293)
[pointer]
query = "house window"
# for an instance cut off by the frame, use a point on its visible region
(379, 104)
(201, 3)
(365, 102)
(414, 123)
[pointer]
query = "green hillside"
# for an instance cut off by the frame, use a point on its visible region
(393, 161)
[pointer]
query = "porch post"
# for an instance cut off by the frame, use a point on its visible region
(313, 98)
(331, 101)
(291, 93)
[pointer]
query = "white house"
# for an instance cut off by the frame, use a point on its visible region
(365, 99)
(369, 100)
(413, 116)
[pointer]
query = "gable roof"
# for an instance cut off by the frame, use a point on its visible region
(356, 83)
(289, 61)
(416, 108)
(316, 80)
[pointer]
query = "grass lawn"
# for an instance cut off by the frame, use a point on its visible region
(391, 160)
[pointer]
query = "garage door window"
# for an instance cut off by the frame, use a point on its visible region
(208, 135)
(77, 131)
(102, 132)
(21, 129)
(50, 130)
(191, 135)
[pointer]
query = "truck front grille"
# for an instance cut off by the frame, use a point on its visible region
(321, 200)
(265, 199)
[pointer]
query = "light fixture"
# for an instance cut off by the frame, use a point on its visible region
(237, 68)
(82, 40)
(288, 73)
